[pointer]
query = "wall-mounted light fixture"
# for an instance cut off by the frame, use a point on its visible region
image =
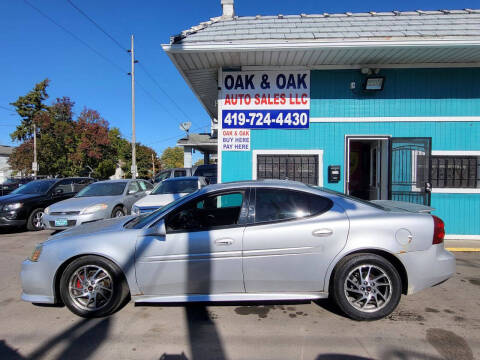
(374, 83)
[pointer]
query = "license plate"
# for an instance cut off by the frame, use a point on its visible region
(61, 222)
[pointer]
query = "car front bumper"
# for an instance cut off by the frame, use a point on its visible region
(11, 219)
(37, 282)
(428, 268)
(72, 220)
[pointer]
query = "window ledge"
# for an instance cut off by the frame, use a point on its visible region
(456, 190)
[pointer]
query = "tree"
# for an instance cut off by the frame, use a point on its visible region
(198, 162)
(28, 107)
(172, 157)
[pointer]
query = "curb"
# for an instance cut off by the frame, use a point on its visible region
(463, 249)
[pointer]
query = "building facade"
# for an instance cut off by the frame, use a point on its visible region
(387, 105)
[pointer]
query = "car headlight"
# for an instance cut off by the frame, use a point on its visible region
(36, 253)
(47, 210)
(94, 208)
(12, 206)
(135, 210)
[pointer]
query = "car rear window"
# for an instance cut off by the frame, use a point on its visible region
(277, 205)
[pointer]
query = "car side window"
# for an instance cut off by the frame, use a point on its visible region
(178, 173)
(277, 205)
(79, 184)
(142, 185)
(64, 187)
(211, 212)
(162, 176)
(133, 187)
(148, 185)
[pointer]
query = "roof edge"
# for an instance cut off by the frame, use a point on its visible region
(292, 45)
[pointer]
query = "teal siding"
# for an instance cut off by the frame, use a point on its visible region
(408, 92)
(461, 212)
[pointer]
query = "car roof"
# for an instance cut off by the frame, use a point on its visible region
(185, 178)
(286, 184)
(114, 181)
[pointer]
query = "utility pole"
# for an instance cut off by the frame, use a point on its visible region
(35, 164)
(132, 73)
(153, 166)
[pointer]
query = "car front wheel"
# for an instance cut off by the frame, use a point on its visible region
(92, 286)
(366, 287)
(35, 220)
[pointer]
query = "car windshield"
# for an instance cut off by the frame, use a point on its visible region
(144, 219)
(103, 189)
(206, 171)
(35, 187)
(176, 187)
(8, 181)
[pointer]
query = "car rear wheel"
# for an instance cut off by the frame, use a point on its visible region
(118, 212)
(92, 286)
(366, 287)
(34, 222)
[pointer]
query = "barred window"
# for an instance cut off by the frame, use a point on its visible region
(303, 168)
(456, 171)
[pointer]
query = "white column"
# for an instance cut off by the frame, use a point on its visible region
(187, 156)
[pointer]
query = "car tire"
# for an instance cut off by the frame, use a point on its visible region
(104, 292)
(118, 211)
(34, 221)
(366, 287)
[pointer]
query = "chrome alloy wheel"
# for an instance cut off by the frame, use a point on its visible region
(90, 287)
(368, 288)
(119, 213)
(37, 220)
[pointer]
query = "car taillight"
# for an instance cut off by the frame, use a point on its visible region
(438, 230)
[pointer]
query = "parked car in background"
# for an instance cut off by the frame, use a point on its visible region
(245, 241)
(10, 184)
(208, 171)
(172, 173)
(98, 201)
(167, 191)
(25, 205)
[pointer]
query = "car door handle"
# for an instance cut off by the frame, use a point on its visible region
(224, 242)
(322, 232)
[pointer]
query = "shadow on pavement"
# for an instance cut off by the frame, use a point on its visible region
(82, 340)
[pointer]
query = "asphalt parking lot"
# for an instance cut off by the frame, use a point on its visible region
(439, 323)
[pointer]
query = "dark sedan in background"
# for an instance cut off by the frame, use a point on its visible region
(8, 185)
(24, 206)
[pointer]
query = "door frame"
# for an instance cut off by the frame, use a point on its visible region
(346, 170)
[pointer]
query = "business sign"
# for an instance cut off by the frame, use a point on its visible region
(265, 100)
(235, 140)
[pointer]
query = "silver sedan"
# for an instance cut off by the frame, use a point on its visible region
(246, 241)
(98, 201)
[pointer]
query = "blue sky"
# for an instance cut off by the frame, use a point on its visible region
(33, 48)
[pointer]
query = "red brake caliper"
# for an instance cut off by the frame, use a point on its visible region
(79, 284)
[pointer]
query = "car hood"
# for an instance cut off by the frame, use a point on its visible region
(80, 203)
(158, 200)
(109, 225)
(11, 198)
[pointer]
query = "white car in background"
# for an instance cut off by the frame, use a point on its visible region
(167, 191)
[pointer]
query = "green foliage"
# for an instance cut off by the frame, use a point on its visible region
(172, 157)
(28, 107)
(68, 146)
(198, 162)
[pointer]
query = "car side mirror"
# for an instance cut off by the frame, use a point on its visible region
(130, 192)
(58, 191)
(157, 229)
(148, 192)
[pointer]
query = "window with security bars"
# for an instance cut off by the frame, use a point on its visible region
(303, 168)
(456, 171)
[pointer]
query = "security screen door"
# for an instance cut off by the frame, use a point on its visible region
(303, 168)
(410, 169)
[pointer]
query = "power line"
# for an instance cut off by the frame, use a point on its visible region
(123, 49)
(75, 36)
(6, 108)
(173, 137)
(96, 25)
